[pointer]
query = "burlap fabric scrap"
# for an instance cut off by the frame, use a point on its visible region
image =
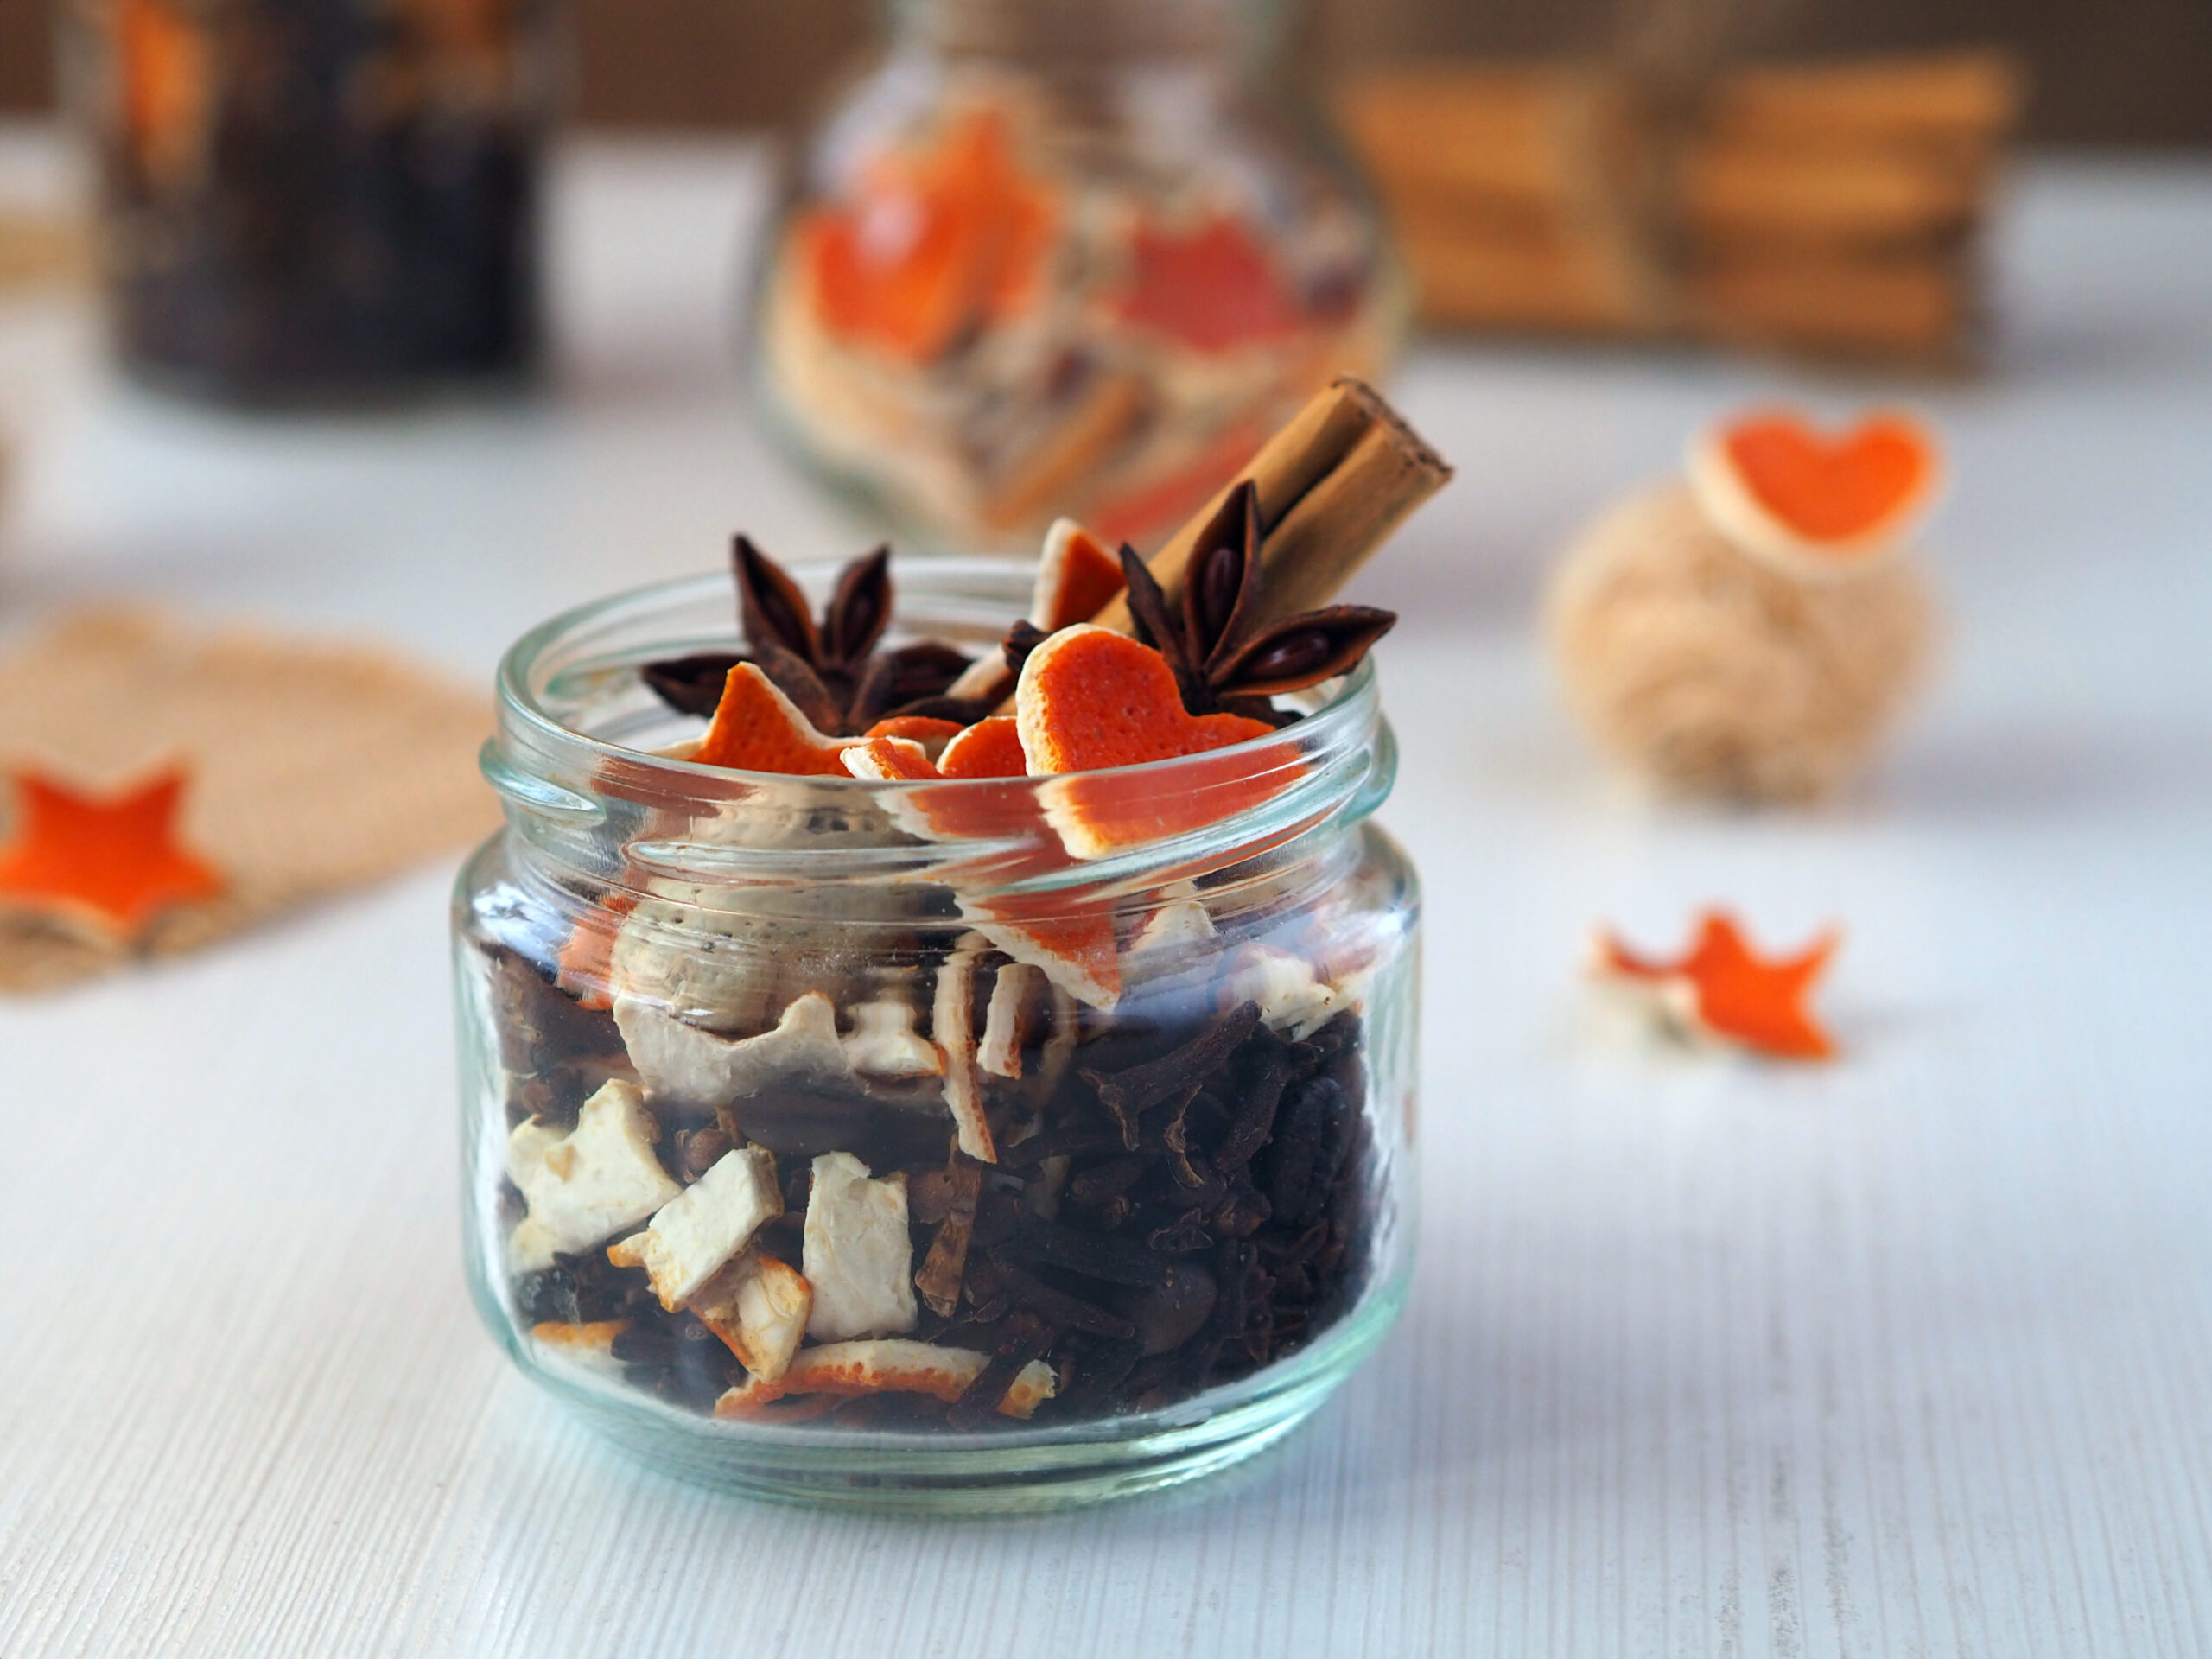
(313, 768)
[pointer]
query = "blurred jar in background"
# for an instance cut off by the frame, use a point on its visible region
(1063, 256)
(317, 200)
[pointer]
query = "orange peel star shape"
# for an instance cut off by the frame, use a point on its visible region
(107, 863)
(1726, 990)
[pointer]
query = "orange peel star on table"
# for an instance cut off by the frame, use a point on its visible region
(1727, 990)
(106, 863)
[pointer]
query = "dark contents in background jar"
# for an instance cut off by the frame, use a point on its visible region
(324, 199)
(1210, 1216)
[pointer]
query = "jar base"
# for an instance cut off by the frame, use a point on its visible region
(1016, 1471)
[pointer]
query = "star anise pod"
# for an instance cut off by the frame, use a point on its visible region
(1224, 663)
(830, 668)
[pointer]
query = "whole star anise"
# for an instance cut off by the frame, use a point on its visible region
(831, 668)
(1224, 664)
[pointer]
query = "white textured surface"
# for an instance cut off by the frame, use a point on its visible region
(1909, 1355)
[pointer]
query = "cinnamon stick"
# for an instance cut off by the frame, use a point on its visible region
(1333, 483)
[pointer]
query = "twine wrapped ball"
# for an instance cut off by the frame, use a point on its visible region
(1710, 671)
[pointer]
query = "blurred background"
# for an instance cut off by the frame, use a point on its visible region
(2106, 72)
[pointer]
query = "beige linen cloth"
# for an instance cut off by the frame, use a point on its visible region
(313, 767)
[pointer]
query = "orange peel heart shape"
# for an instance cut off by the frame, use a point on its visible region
(1727, 991)
(757, 729)
(1777, 487)
(105, 864)
(1090, 701)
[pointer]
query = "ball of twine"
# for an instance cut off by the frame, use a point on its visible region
(1707, 671)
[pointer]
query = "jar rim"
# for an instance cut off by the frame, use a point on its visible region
(1338, 760)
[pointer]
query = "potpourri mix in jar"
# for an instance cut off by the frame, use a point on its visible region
(318, 200)
(917, 1055)
(1057, 259)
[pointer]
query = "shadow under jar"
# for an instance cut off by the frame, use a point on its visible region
(850, 1142)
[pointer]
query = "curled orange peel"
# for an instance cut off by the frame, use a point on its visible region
(1726, 991)
(107, 864)
(1780, 487)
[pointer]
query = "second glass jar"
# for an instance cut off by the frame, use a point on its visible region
(1058, 257)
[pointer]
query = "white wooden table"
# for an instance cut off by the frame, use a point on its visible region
(1909, 1355)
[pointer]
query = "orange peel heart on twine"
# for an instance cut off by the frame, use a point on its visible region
(1723, 990)
(1089, 701)
(105, 864)
(1782, 489)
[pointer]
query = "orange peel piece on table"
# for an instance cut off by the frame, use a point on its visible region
(1090, 701)
(1723, 988)
(886, 1365)
(103, 864)
(757, 729)
(934, 242)
(1780, 487)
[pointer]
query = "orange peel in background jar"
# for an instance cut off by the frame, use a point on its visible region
(1016, 279)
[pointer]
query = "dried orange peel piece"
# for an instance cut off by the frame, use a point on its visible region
(934, 244)
(888, 760)
(931, 733)
(990, 749)
(1779, 487)
(757, 729)
(1211, 288)
(167, 67)
(1077, 577)
(1723, 989)
(885, 1365)
(1089, 700)
(101, 864)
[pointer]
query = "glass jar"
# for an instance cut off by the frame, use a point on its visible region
(1059, 258)
(317, 200)
(1043, 1243)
